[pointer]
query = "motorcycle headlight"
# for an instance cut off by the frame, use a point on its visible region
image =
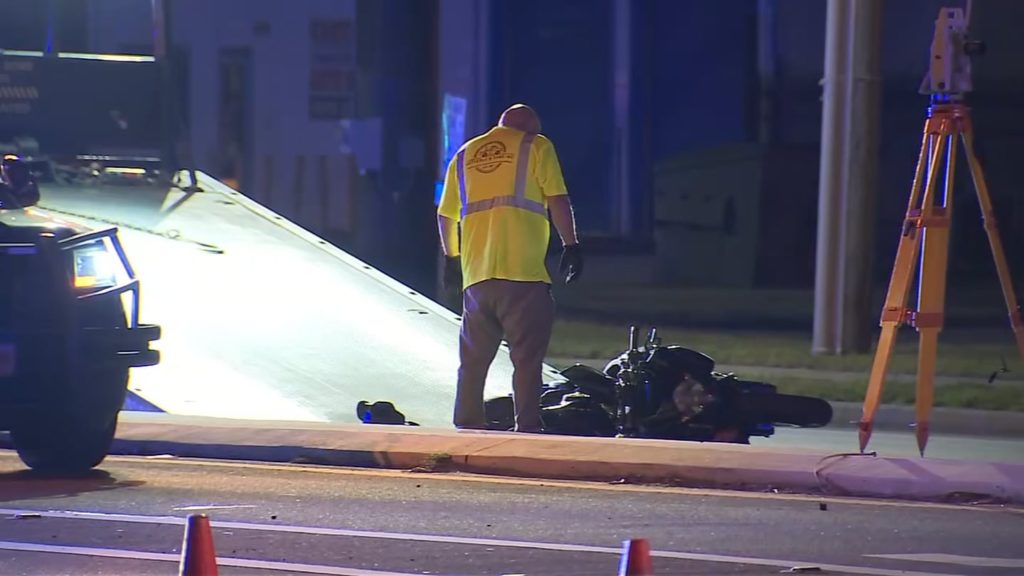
(690, 397)
(95, 265)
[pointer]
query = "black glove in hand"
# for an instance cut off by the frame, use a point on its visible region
(452, 278)
(571, 263)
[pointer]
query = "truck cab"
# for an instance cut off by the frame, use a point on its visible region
(69, 334)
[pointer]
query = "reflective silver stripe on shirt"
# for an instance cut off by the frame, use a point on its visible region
(460, 167)
(517, 200)
(522, 163)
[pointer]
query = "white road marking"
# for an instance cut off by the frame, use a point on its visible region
(213, 507)
(221, 562)
(980, 561)
(439, 539)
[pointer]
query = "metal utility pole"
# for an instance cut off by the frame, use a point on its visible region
(830, 182)
(856, 317)
(847, 178)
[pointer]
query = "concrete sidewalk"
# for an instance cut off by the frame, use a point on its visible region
(690, 464)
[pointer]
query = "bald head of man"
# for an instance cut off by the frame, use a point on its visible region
(520, 117)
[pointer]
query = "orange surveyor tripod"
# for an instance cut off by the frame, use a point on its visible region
(926, 230)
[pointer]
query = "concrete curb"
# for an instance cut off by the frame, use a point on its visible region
(689, 464)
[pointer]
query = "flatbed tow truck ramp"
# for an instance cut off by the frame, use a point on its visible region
(264, 320)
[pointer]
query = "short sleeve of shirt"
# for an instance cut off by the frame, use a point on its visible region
(450, 205)
(549, 171)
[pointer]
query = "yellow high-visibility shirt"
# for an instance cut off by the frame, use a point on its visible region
(503, 217)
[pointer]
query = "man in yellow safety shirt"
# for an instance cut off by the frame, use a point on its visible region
(498, 190)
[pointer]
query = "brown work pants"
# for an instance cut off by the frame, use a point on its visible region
(523, 313)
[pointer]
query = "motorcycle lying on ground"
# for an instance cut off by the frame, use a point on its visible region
(666, 392)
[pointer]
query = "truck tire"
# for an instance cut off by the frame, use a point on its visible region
(74, 436)
(63, 442)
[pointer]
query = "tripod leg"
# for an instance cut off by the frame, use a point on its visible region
(936, 216)
(992, 231)
(894, 309)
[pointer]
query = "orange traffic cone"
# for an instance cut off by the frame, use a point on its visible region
(198, 557)
(636, 558)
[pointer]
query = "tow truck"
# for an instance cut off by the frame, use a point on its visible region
(69, 332)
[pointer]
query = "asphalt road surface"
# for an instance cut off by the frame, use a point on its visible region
(127, 518)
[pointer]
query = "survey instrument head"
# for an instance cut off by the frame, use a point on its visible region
(949, 64)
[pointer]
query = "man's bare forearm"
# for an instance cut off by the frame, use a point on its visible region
(563, 219)
(449, 231)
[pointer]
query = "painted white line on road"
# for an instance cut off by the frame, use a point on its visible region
(978, 561)
(438, 539)
(200, 508)
(221, 562)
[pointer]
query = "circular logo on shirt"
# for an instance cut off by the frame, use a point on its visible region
(490, 157)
